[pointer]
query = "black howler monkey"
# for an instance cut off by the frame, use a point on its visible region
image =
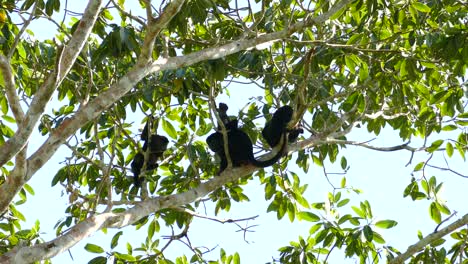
(277, 126)
(157, 145)
(222, 112)
(217, 145)
(240, 147)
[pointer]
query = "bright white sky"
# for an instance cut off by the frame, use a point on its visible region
(381, 176)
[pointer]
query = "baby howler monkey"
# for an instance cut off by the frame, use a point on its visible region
(277, 126)
(240, 146)
(156, 145)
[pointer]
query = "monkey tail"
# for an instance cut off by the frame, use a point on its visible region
(279, 154)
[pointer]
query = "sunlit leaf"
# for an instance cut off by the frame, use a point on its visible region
(386, 224)
(93, 248)
(308, 216)
(435, 212)
(421, 7)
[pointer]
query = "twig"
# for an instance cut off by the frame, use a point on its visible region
(222, 221)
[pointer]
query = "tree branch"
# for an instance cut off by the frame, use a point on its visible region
(413, 249)
(222, 221)
(154, 28)
(39, 102)
(43, 95)
(10, 87)
(386, 149)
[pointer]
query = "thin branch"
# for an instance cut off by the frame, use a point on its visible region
(386, 149)
(137, 19)
(444, 221)
(20, 33)
(222, 221)
(447, 169)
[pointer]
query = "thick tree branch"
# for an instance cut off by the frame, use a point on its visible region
(413, 249)
(43, 95)
(242, 44)
(15, 144)
(154, 28)
(14, 181)
(10, 88)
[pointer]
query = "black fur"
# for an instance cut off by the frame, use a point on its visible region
(294, 134)
(277, 126)
(157, 145)
(240, 148)
(222, 112)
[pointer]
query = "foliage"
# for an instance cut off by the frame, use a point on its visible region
(370, 64)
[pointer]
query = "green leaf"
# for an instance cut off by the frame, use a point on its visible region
(222, 255)
(368, 234)
(291, 209)
(358, 211)
(378, 238)
(421, 7)
(350, 64)
(435, 145)
(343, 202)
(418, 166)
(443, 208)
(345, 218)
(308, 216)
(169, 129)
(151, 229)
(93, 248)
(115, 239)
(403, 71)
(449, 149)
(317, 160)
(435, 213)
(9, 119)
(301, 200)
(17, 213)
(338, 14)
(343, 182)
(349, 103)
(315, 228)
(386, 224)
(98, 260)
(344, 163)
(440, 97)
(29, 189)
(4, 105)
(125, 256)
(425, 186)
(236, 259)
(363, 72)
